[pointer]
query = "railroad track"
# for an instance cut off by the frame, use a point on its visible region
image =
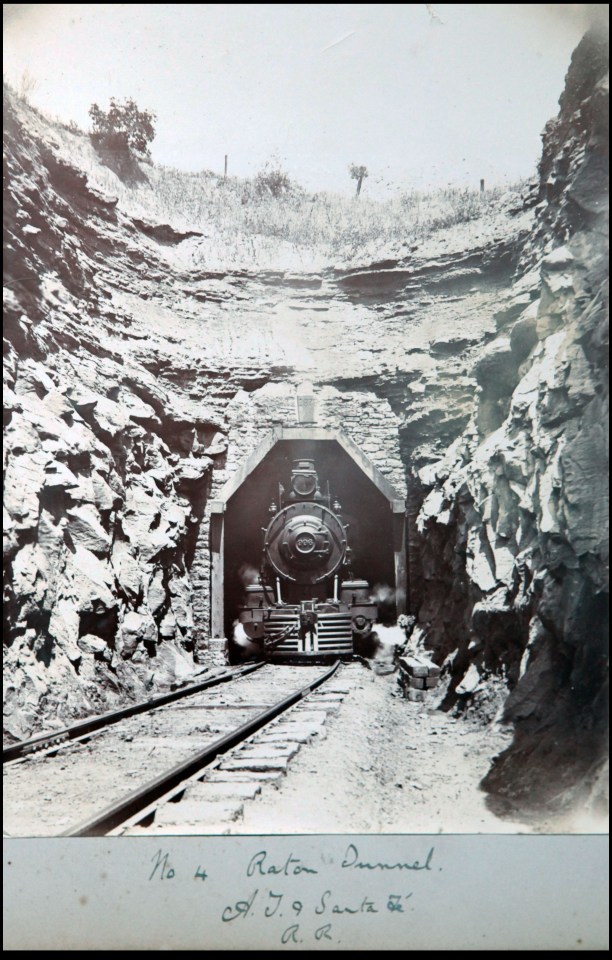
(244, 735)
(52, 739)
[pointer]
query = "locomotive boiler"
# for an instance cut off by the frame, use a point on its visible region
(306, 604)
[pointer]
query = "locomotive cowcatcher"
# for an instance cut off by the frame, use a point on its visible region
(306, 605)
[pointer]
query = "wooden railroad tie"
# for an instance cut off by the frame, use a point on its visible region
(417, 674)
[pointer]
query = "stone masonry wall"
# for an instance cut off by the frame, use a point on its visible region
(365, 418)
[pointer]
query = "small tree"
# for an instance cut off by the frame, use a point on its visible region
(123, 127)
(358, 173)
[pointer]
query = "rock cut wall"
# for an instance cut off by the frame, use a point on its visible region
(513, 533)
(105, 469)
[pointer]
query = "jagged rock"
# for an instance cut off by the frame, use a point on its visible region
(579, 383)
(496, 368)
(127, 571)
(539, 670)
(152, 525)
(514, 308)
(82, 399)
(92, 644)
(524, 333)
(470, 681)
(85, 529)
(140, 512)
(432, 508)
(478, 561)
(110, 417)
(156, 593)
(50, 533)
(557, 283)
(57, 474)
(138, 410)
(21, 437)
(34, 378)
(89, 582)
(190, 468)
(136, 628)
(64, 628)
(451, 346)
(528, 524)
(104, 497)
(558, 260)
(163, 232)
(584, 467)
(168, 627)
(24, 478)
(188, 413)
(9, 535)
(182, 614)
(588, 186)
(58, 404)
(218, 445)
(174, 515)
(504, 561)
(180, 594)
(29, 573)
(175, 662)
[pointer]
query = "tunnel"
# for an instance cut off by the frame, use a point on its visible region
(372, 509)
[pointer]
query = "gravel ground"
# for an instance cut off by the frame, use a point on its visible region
(386, 765)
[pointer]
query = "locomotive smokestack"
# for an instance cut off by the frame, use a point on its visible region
(305, 402)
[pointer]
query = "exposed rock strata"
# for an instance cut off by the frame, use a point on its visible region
(513, 545)
(105, 465)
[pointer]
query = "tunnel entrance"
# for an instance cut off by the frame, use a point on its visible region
(372, 509)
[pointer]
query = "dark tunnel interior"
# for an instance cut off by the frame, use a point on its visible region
(364, 508)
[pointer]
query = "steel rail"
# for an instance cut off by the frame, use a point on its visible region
(131, 804)
(82, 728)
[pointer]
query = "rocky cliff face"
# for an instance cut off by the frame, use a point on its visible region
(512, 534)
(105, 462)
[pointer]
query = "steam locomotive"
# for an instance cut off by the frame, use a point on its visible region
(306, 603)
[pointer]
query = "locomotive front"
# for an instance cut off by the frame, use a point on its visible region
(300, 607)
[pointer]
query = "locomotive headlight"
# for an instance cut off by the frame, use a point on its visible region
(304, 484)
(360, 621)
(303, 479)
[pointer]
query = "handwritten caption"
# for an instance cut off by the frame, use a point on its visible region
(329, 892)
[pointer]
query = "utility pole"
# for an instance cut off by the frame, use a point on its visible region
(225, 168)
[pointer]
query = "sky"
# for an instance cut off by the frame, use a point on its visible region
(423, 95)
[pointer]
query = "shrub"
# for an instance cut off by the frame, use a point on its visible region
(123, 127)
(26, 84)
(272, 182)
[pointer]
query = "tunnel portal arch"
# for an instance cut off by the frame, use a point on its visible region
(375, 511)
